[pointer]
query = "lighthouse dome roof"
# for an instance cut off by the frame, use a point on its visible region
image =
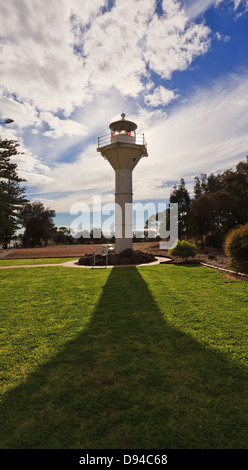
(123, 125)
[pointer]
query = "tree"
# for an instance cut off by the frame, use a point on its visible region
(200, 185)
(205, 185)
(220, 203)
(236, 184)
(38, 224)
(151, 227)
(224, 212)
(11, 193)
(200, 217)
(181, 196)
(62, 235)
(212, 214)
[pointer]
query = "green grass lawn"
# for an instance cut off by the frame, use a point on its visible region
(150, 357)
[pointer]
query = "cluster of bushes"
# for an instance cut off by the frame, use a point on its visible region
(216, 216)
(184, 249)
(236, 248)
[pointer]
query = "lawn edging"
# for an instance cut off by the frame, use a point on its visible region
(236, 273)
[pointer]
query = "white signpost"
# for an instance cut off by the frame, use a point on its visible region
(102, 251)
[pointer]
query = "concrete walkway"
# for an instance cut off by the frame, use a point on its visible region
(74, 264)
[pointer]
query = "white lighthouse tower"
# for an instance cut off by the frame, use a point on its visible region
(123, 147)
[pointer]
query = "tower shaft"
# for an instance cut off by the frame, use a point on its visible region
(123, 210)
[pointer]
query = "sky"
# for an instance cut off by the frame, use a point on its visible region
(68, 68)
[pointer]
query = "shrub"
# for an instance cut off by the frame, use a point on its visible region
(236, 247)
(184, 249)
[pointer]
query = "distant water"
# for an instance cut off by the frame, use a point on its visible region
(87, 221)
(82, 221)
(64, 219)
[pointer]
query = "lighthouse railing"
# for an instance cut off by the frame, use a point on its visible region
(107, 139)
(140, 139)
(104, 140)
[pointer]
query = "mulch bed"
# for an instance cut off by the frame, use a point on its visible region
(126, 257)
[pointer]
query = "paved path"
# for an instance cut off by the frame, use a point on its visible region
(74, 264)
(5, 253)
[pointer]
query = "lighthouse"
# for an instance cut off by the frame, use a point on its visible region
(123, 147)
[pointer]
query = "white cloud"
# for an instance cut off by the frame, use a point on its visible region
(194, 8)
(32, 169)
(61, 127)
(208, 134)
(160, 96)
(66, 69)
(37, 62)
(114, 45)
(238, 2)
(147, 119)
(173, 42)
(24, 113)
(76, 182)
(51, 61)
(87, 10)
(222, 37)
